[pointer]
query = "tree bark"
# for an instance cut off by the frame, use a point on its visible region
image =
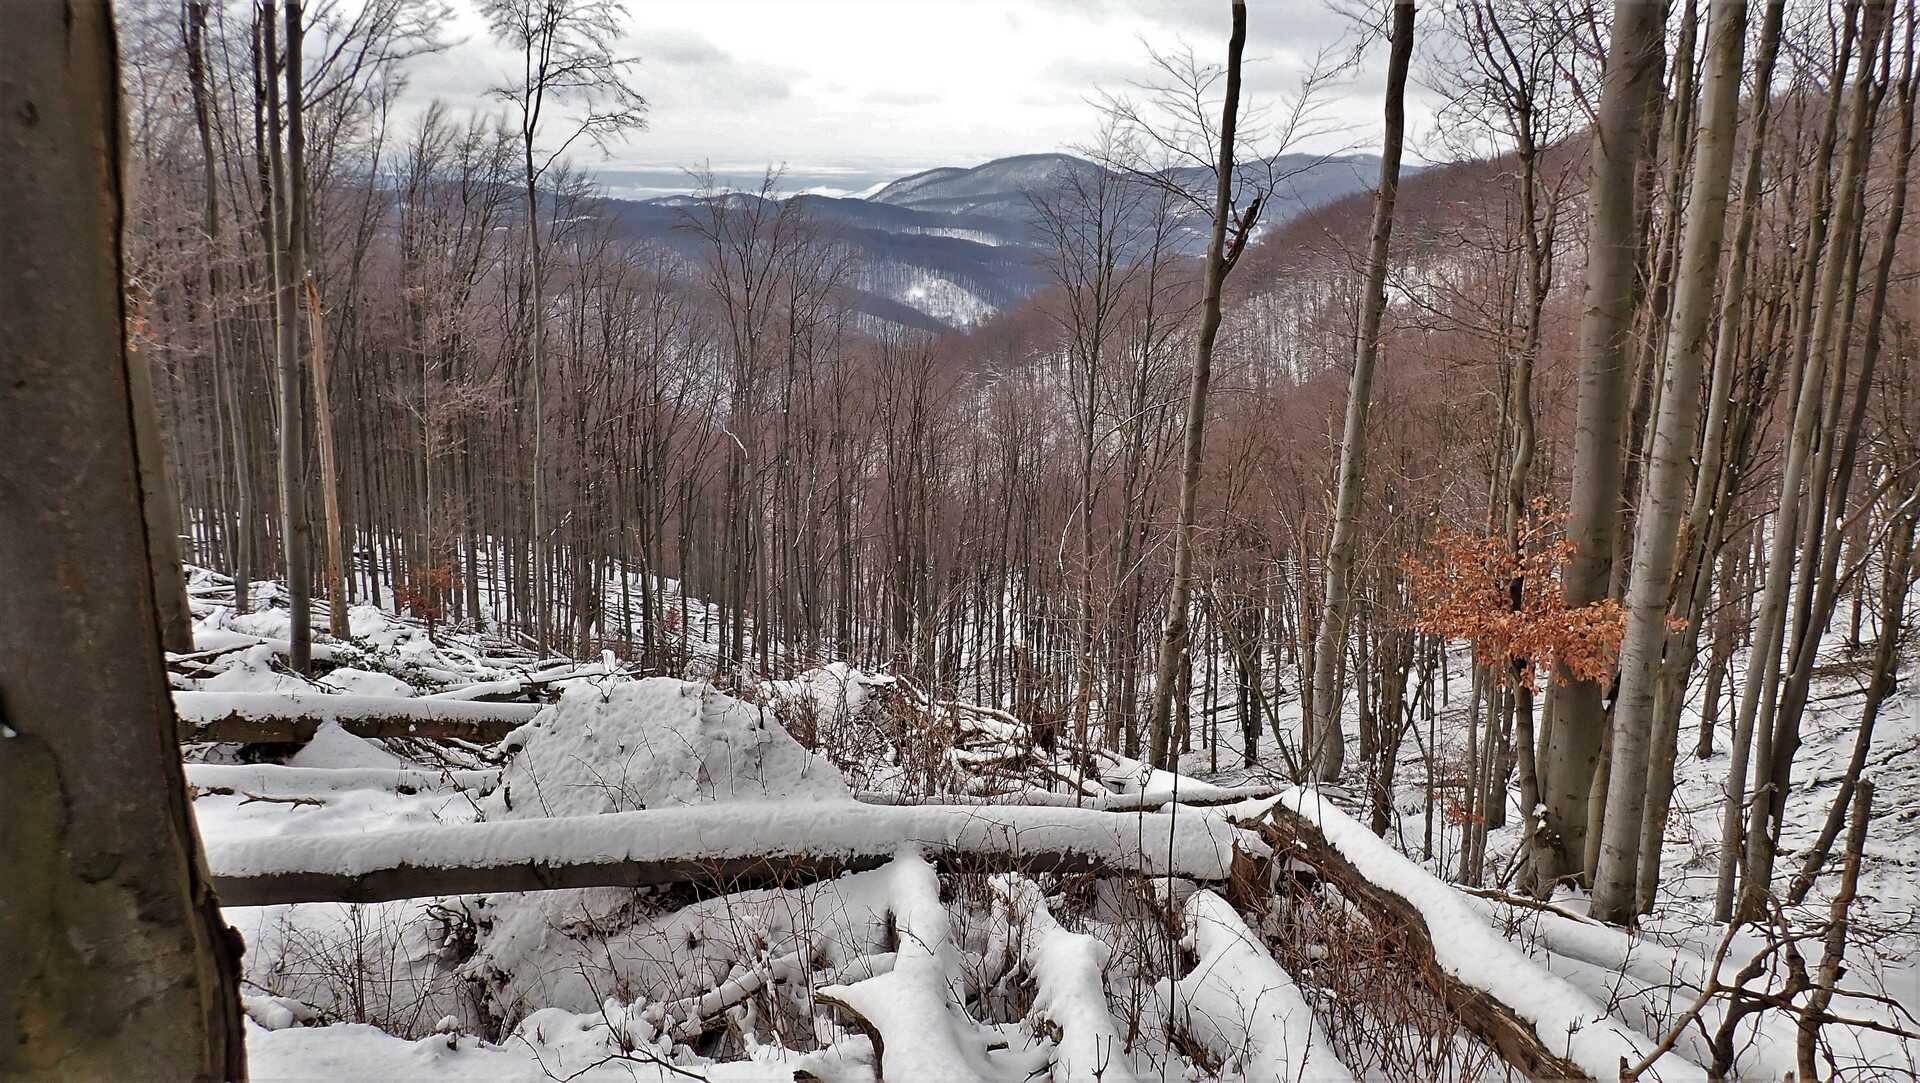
(1657, 542)
(1173, 637)
(226, 370)
(288, 168)
(1763, 671)
(1329, 749)
(1632, 70)
(118, 965)
(329, 471)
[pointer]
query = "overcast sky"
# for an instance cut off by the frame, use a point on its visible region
(870, 89)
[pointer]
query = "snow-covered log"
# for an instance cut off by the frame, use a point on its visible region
(731, 846)
(525, 686)
(273, 778)
(1540, 1023)
(918, 1030)
(1109, 802)
(1069, 974)
(265, 717)
(1239, 1003)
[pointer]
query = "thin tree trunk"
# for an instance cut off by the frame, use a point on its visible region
(1763, 669)
(1899, 579)
(329, 480)
(1832, 959)
(289, 264)
(1173, 638)
(1329, 750)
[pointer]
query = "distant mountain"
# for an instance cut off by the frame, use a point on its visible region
(997, 188)
(949, 247)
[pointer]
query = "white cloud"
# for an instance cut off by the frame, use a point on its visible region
(906, 81)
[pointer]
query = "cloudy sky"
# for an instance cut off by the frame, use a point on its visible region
(844, 92)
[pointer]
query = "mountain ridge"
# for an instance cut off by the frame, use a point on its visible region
(950, 246)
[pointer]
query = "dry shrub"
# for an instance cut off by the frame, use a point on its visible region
(890, 742)
(424, 591)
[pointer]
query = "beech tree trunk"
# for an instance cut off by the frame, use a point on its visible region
(1763, 670)
(1703, 533)
(226, 371)
(337, 623)
(1657, 542)
(1632, 70)
(1329, 749)
(117, 963)
(288, 170)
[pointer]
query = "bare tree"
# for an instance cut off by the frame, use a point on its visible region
(567, 60)
(118, 964)
(1815, 353)
(1170, 139)
(1329, 748)
(1098, 225)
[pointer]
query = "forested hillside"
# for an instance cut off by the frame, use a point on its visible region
(1216, 605)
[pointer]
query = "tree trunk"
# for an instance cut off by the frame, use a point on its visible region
(329, 473)
(1632, 69)
(1893, 608)
(1329, 749)
(1657, 543)
(163, 520)
(1173, 637)
(118, 965)
(289, 266)
(225, 365)
(1763, 671)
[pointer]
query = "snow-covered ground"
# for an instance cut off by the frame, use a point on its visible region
(1000, 983)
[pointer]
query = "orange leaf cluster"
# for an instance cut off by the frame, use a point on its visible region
(1465, 588)
(422, 593)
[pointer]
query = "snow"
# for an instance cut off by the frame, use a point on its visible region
(347, 680)
(200, 708)
(541, 1051)
(1241, 1004)
(333, 746)
(1566, 1019)
(1160, 844)
(1069, 971)
(652, 744)
(621, 769)
(926, 1036)
(320, 780)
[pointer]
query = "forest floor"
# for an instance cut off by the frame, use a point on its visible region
(1008, 973)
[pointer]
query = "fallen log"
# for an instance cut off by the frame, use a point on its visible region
(273, 718)
(1112, 802)
(1068, 970)
(324, 780)
(1539, 1023)
(521, 688)
(918, 1028)
(1241, 1005)
(711, 848)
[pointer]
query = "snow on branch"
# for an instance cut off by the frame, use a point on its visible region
(1069, 972)
(918, 1029)
(1240, 1004)
(267, 717)
(1541, 1023)
(733, 845)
